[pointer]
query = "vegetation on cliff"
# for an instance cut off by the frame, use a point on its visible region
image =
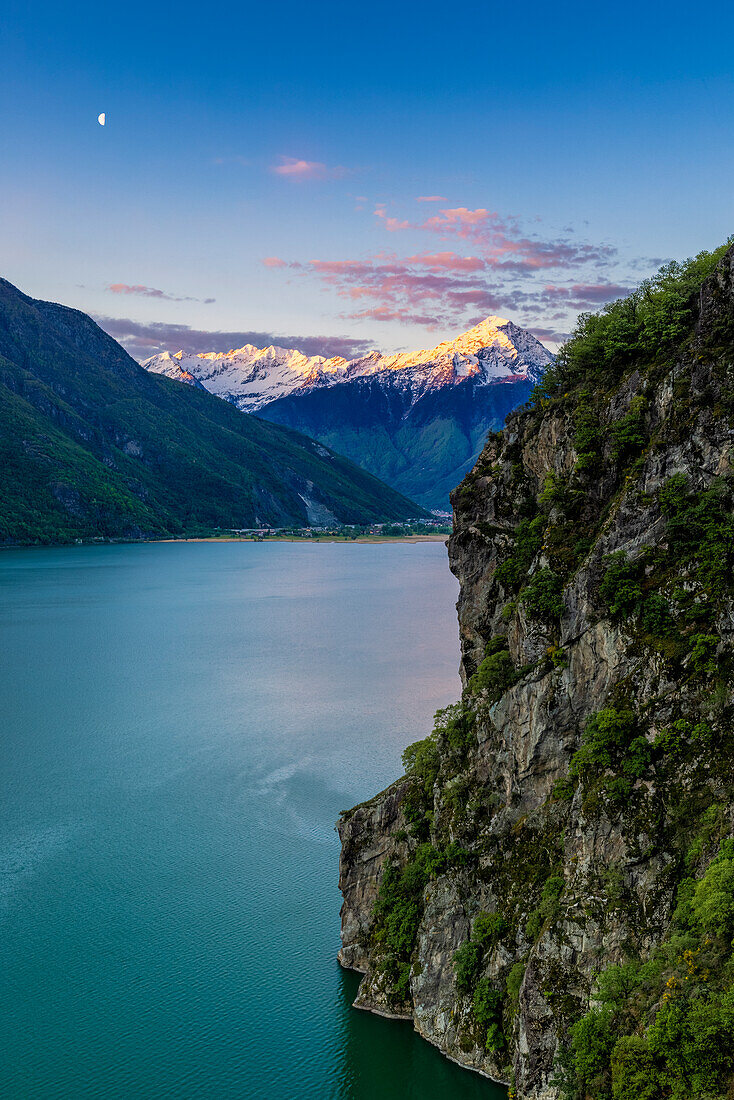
(594, 797)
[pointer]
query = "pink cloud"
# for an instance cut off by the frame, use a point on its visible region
(382, 313)
(499, 239)
(442, 288)
(153, 292)
(144, 291)
(393, 225)
(447, 261)
(459, 220)
(492, 265)
(431, 198)
(297, 169)
(274, 261)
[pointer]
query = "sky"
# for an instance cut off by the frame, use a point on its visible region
(340, 177)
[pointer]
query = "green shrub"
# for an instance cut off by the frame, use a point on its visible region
(514, 983)
(467, 965)
(656, 617)
(555, 491)
(703, 653)
(673, 497)
(489, 928)
(487, 1014)
(587, 438)
(453, 734)
(620, 587)
(617, 983)
(495, 674)
(399, 907)
(700, 530)
(648, 324)
(469, 958)
(421, 759)
(593, 1041)
(663, 1029)
(543, 596)
(694, 1039)
(712, 903)
(611, 741)
(511, 572)
(453, 728)
(634, 1073)
(628, 433)
(547, 910)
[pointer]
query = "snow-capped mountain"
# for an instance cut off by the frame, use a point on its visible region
(417, 419)
(496, 350)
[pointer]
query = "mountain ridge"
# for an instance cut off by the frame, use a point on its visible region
(92, 445)
(241, 374)
(415, 419)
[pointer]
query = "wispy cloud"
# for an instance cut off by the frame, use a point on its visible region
(492, 265)
(295, 168)
(393, 225)
(443, 289)
(500, 240)
(142, 340)
(431, 198)
(549, 335)
(141, 291)
(585, 295)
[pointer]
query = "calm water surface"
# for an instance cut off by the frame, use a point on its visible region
(181, 725)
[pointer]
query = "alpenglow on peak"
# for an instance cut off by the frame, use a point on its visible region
(495, 350)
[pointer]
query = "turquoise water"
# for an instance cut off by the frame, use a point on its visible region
(181, 725)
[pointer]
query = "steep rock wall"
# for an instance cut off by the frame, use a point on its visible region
(577, 859)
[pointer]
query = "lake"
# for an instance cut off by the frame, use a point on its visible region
(181, 725)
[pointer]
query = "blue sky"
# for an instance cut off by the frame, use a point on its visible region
(259, 174)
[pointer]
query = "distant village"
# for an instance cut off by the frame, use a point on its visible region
(441, 525)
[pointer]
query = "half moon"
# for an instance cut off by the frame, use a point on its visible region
(101, 119)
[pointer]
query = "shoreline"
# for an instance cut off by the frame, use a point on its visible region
(316, 538)
(227, 538)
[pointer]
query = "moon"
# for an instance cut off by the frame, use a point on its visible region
(101, 119)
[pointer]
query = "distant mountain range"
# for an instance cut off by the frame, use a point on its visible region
(417, 420)
(93, 445)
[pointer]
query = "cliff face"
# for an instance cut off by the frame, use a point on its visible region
(543, 831)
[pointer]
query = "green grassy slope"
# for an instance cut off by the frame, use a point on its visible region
(93, 445)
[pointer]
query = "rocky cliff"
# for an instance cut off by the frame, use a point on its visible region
(545, 891)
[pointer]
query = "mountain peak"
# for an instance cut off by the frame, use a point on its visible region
(494, 350)
(488, 326)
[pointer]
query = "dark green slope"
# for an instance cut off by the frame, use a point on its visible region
(93, 445)
(422, 449)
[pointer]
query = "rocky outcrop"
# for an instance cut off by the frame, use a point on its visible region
(575, 856)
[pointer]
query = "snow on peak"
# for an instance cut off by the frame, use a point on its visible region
(495, 350)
